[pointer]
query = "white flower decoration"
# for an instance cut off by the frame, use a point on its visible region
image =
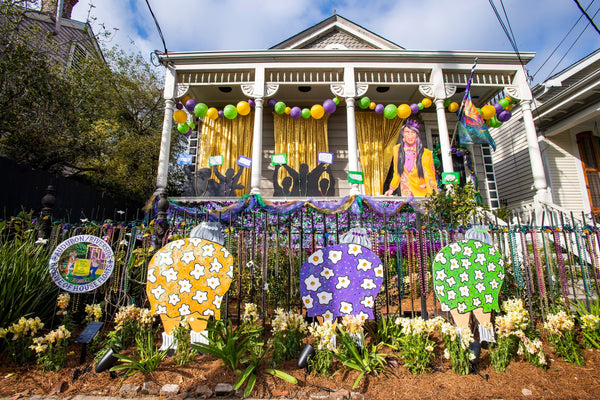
(327, 273)
(476, 302)
(364, 265)
(501, 275)
(379, 271)
(316, 258)
(440, 258)
(174, 299)
(200, 296)
(335, 256)
(208, 250)
(354, 249)
(464, 277)
(368, 302)
(501, 262)
(312, 283)
(480, 287)
(170, 275)
(165, 258)
(451, 295)
(325, 297)
(187, 257)
(445, 307)
(230, 272)
(440, 275)
(491, 267)
(151, 277)
(198, 271)
(185, 286)
(345, 307)
(327, 316)
(461, 307)
(468, 251)
(478, 274)
(439, 290)
(217, 301)
(225, 252)
(368, 284)
(209, 312)
(213, 282)
(489, 298)
(195, 241)
(161, 309)
(184, 309)
(454, 248)
(343, 282)
(466, 263)
(363, 315)
(494, 284)
(177, 244)
(158, 291)
(453, 264)
(492, 251)
(215, 266)
(480, 258)
(307, 301)
(451, 281)
(478, 244)
(464, 291)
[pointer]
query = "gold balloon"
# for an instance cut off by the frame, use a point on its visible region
(488, 111)
(404, 111)
(317, 111)
(180, 116)
(453, 107)
(212, 113)
(287, 110)
(372, 105)
(426, 102)
(243, 108)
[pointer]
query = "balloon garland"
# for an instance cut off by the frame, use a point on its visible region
(392, 111)
(493, 114)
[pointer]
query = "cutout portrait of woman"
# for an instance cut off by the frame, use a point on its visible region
(414, 170)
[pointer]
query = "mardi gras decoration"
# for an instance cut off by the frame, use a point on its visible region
(343, 279)
(467, 277)
(188, 278)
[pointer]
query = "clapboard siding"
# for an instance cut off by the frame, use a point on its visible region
(563, 166)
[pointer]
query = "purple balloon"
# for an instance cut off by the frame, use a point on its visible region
(414, 108)
(188, 133)
(251, 102)
(190, 104)
(504, 115)
(379, 108)
(296, 112)
(498, 108)
(329, 106)
(272, 102)
(179, 106)
(221, 114)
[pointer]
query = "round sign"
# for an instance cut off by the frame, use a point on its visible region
(81, 263)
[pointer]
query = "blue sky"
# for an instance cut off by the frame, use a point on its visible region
(198, 25)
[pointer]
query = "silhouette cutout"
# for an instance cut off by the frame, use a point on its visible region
(304, 183)
(228, 183)
(188, 185)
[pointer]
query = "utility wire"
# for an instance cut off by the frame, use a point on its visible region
(157, 27)
(587, 16)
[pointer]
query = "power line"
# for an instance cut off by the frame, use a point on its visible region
(508, 33)
(157, 27)
(587, 16)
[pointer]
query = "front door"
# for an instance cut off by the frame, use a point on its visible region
(588, 152)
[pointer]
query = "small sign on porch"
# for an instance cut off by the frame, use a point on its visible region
(325, 158)
(184, 159)
(244, 161)
(450, 178)
(215, 160)
(279, 159)
(356, 177)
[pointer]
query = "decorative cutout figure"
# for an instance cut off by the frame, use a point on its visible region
(228, 183)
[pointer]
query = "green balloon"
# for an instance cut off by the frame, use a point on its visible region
(191, 125)
(280, 107)
(421, 106)
(494, 123)
(183, 128)
(336, 100)
(200, 110)
(447, 102)
(364, 102)
(504, 103)
(230, 112)
(390, 111)
(305, 113)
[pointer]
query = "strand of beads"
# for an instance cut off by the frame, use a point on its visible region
(538, 268)
(582, 256)
(594, 257)
(515, 258)
(561, 267)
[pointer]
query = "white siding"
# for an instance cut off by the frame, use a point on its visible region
(563, 167)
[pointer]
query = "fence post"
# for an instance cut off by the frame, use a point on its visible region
(44, 224)
(161, 225)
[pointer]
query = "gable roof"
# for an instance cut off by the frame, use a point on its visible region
(336, 32)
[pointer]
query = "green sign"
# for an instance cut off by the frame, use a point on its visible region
(215, 160)
(279, 159)
(356, 177)
(452, 178)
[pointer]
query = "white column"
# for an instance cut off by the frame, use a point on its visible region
(257, 147)
(535, 155)
(444, 137)
(165, 141)
(352, 142)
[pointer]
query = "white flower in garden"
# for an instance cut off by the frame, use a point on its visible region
(327, 273)
(208, 250)
(494, 284)
(198, 271)
(325, 297)
(200, 296)
(327, 316)
(368, 302)
(84, 220)
(161, 309)
(476, 302)
(151, 276)
(343, 282)
(379, 271)
(209, 312)
(307, 301)
(354, 249)
(185, 286)
(491, 267)
(158, 291)
(440, 258)
(368, 284)
(468, 251)
(439, 290)
(480, 287)
(174, 299)
(489, 298)
(440, 275)
(364, 265)
(166, 258)
(215, 266)
(184, 309)
(170, 274)
(213, 282)
(187, 257)
(335, 256)
(217, 301)
(461, 307)
(316, 258)
(41, 241)
(123, 243)
(464, 291)
(464, 277)
(312, 283)
(345, 307)
(453, 264)
(455, 248)
(466, 263)
(478, 274)
(177, 244)
(480, 258)
(451, 281)
(451, 295)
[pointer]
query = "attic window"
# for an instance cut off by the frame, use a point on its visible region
(335, 46)
(78, 56)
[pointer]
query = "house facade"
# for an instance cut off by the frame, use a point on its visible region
(566, 113)
(336, 59)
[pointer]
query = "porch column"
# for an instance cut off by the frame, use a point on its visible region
(444, 137)
(257, 146)
(352, 142)
(165, 141)
(535, 155)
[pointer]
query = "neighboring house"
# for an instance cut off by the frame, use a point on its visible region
(566, 113)
(334, 58)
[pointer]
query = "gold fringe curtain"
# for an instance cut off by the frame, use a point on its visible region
(228, 137)
(300, 139)
(376, 137)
